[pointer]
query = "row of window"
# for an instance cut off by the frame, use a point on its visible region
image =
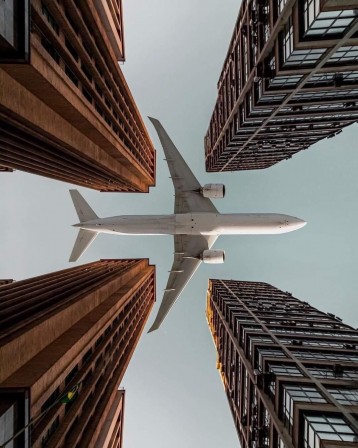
(129, 140)
(229, 92)
(114, 334)
(326, 427)
(325, 24)
(242, 394)
(303, 355)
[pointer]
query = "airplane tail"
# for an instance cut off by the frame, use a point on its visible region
(85, 237)
(84, 211)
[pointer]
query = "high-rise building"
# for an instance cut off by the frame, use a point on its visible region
(65, 342)
(5, 281)
(290, 79)
(66, 111)
(290, 371)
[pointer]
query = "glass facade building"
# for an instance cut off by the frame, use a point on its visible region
(290, 79)
(290, 371)
(65, 342)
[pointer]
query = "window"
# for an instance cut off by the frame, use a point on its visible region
(326, 427)
(272, 99)
(71, 375)
(50, 18)
(238, 69)
(71, 22)
(86, 72)
(321, 95)
(324, 344)
(51, 399)
(98, 89)
(323, 355)
(345, 396)
(87, 377)
(284, 370)
(288, 40)
(345, 55)
(280, 5)
(50, 49)
(71, 49)
(88, 97)
(319, 24)
(55, 424)
(244, 397)
(87, 356)
(99, 110)
(245, 72)
(285, 81)
(294, 394)
(304, 57)
(331, 373)
(71, 75)
(267, 353)
(331, 78)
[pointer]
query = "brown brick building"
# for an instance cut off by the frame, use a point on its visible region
(5, 281)
(66, 111)
(290, 79)
(290, 371)
(70, 331)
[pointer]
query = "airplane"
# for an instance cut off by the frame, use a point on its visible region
(195, 224)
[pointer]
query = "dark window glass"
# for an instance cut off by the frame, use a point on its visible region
(86, 72)
(71, 375)
(87, 356)
(50, 49)
(50, 18)
(71, 22)
(51, 399)
(71, 49)
(88, 97)
(71, 75)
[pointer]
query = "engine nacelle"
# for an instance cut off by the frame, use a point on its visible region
(213, 256)
(213, 191)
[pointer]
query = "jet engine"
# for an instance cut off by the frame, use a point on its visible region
(213, 256)
(213, 191)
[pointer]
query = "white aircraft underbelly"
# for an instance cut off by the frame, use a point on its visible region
(197, 224)
(235, 224)
(138, 225)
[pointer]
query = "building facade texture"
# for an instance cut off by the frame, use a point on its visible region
(290, 371)
(290, 79)
(5, 281)
(66, 111)
(65, 342)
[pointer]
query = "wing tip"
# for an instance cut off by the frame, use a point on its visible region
(154, 120)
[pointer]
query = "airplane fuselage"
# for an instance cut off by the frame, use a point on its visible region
(196, 224)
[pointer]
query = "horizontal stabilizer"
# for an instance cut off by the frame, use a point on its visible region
(84, 211)
(83, 241)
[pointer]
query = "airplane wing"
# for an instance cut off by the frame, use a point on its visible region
(185, 183)
(186, 262)
(187, 248)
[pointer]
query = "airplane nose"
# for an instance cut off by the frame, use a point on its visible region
(297, 223)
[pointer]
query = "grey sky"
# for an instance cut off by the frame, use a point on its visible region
(175, 50)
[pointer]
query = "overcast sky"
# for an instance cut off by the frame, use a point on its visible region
(175, 50)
